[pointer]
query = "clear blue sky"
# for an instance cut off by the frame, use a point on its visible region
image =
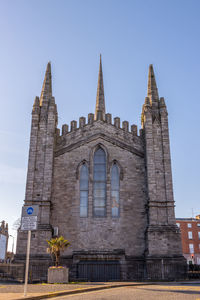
(71, 34)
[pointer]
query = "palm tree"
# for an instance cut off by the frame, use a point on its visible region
(56, 246)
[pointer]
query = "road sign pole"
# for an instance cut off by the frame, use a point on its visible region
(27, 262)
(28, 223)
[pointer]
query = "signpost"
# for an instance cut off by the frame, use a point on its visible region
(29, 217)
(29, 223)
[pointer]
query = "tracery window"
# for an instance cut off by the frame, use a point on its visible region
(99, 183)
(115, 190)
(84, 191)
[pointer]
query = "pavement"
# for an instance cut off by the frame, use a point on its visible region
(46, 291)
(142, 292)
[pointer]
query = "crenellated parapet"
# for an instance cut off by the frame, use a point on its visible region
(90, 119)
(125, 126)
(110, 129)
(116, 123)
(73, 125)
(65, 129)
(109, 118)
(81, 122)
(134, 129)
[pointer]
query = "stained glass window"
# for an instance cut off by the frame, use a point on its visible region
(84, 191)
(99, 183)
(115, 190)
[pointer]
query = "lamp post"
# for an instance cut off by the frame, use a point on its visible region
(10, 235)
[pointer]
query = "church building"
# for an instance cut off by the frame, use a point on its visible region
(105, 187)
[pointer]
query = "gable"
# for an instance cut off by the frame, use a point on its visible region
(99, 129)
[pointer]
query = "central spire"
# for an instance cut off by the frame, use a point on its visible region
(152, 92)
(100, 102)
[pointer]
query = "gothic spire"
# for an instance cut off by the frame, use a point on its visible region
(100, 102)
(47, 85)
(152, 92)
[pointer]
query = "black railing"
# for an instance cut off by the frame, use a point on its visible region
(38, 273)
(104, 271)
(11, 272)
(98, 271)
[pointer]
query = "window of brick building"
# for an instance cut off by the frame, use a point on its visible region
(199, 235)
(191, 248)
(189, 225)
(198, 224)
(190, 235)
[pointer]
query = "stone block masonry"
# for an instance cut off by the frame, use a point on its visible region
(105, 188)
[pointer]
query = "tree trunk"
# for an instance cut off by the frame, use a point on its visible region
(57, 258)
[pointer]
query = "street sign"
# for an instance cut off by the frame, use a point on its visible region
(29, 217)
(29, 222)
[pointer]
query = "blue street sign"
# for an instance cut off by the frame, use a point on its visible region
(29, 217)
(30, 210)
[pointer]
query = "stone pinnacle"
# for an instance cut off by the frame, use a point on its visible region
(46, 93)
(152, 91)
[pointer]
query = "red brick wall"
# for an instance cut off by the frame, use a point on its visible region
(184, 235)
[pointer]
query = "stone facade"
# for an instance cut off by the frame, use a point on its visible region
(144, 233)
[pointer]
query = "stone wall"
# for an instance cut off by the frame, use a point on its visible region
(145, 230)
(108, 233)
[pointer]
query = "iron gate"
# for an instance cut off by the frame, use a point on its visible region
(98, 270)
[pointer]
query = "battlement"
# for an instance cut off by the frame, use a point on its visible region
(66, 129)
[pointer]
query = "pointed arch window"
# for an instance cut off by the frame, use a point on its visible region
(115, 190)
(84, 191)
(99, 183)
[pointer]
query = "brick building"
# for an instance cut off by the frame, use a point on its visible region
(3, 241)
(190, 236)
(105, 188)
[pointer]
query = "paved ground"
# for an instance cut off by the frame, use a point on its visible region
(150, 292)
(15, 291)
(135, 291)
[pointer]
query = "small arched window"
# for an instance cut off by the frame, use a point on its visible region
(99, 183)
(115, 190)
(84, 191)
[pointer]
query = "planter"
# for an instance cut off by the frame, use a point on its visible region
(58, 275)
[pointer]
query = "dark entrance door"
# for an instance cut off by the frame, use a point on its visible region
(98, 270)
